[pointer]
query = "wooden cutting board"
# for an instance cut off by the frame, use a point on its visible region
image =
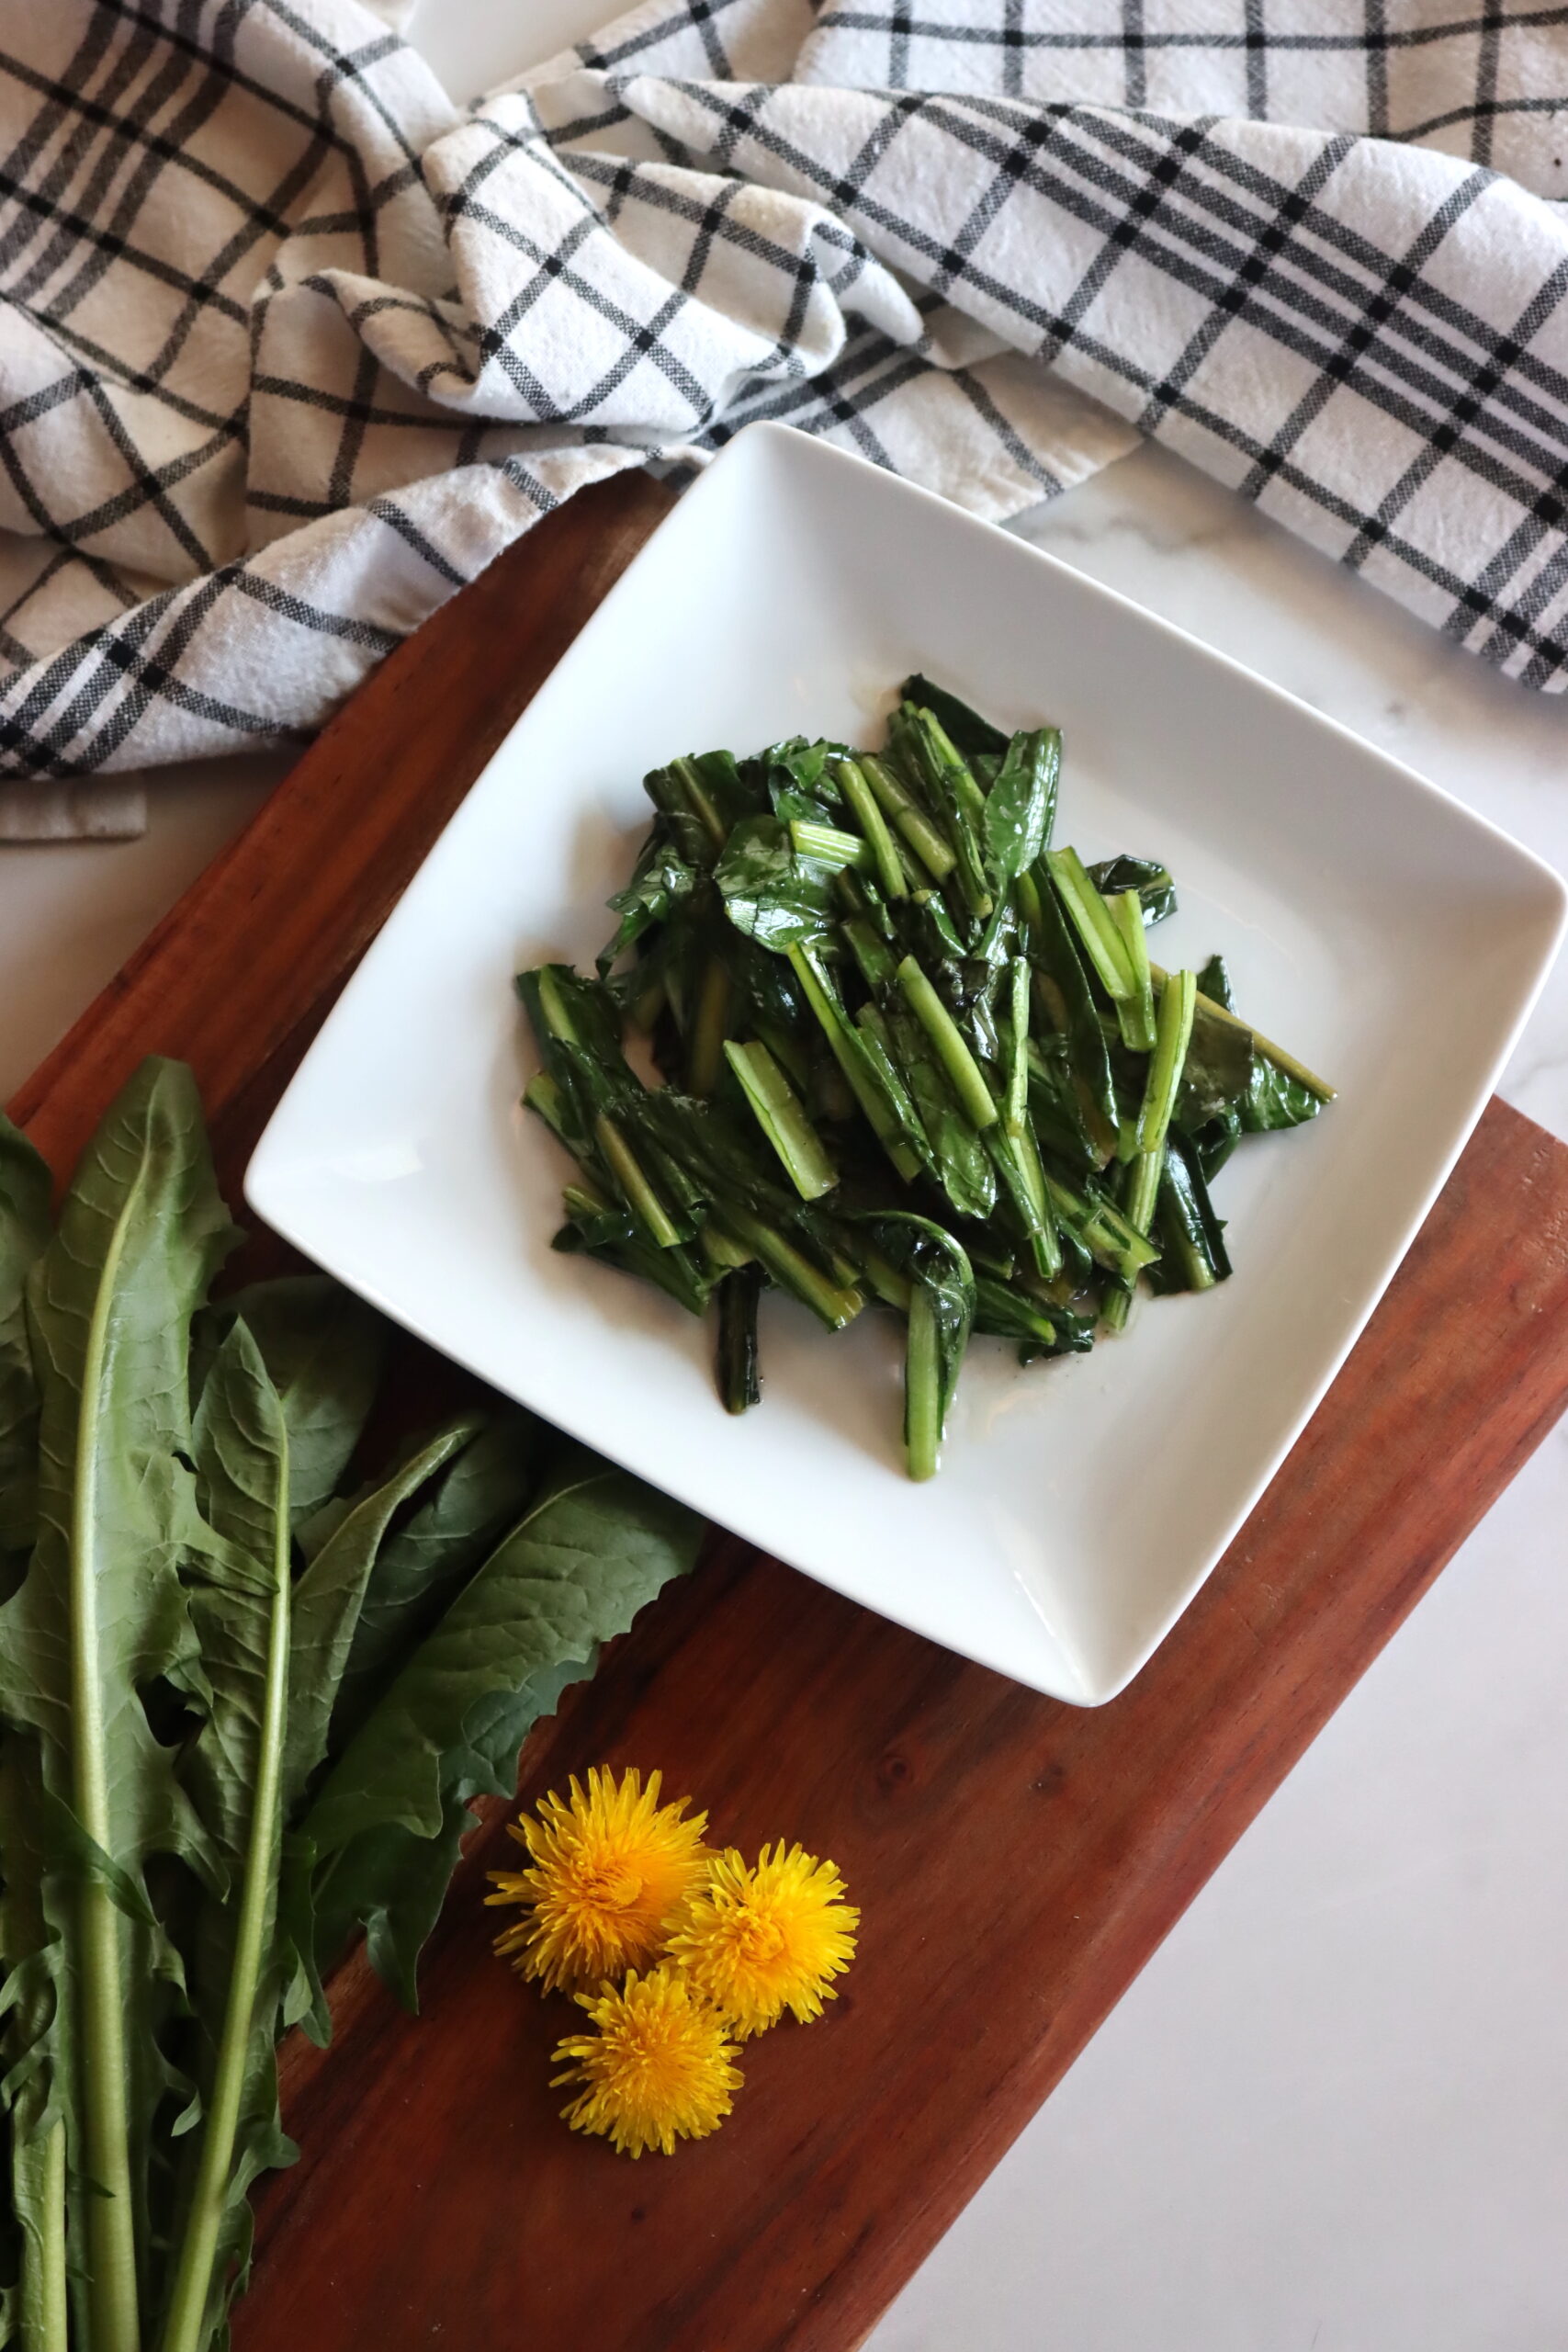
(1017, 1860)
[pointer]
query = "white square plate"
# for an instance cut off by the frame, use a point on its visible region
(1388, 937)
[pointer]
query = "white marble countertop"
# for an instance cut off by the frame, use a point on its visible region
(1332, 2112)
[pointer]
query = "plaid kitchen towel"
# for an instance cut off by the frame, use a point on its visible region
(290, 347)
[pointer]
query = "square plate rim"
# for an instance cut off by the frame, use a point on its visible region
(797, 448)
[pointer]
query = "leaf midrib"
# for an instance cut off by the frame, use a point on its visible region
(109, 2223)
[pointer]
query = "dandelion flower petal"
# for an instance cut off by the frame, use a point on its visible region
(656, 2070)
(608, 1868)
(756, 1943)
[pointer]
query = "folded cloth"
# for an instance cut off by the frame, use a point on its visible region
(291, 347)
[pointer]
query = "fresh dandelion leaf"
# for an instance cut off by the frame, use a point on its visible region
(37, 2032)
(203, 1617)
(328, 1599)
(240, 1589)
(101, 1610)
(422, 1566)
(24, 1232)
(323, 1351)
(592, 1550)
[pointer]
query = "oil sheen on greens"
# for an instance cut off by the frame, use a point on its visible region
(246, 1694)
(916, 1057)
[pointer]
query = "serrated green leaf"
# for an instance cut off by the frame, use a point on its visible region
(595, 1547)
(24, 1232)
(241, 1464)
(35, 2037)
(101, 1611)
(239, 1594)
(329, 1596)
(323, 1350)
(393, 1883)
(421, 1568)
(328, 1606)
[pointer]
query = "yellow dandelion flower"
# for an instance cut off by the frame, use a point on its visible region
(607, 1870)
(760, 1941)
(658, 2069)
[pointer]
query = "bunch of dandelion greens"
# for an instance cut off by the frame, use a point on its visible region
(914, 1055)
(243, 1705)
(710, 1949)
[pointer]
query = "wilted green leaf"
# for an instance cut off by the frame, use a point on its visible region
(974, 736)
(1021, 803)
(771, 894)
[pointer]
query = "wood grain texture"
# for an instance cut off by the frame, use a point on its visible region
(1017, 1860)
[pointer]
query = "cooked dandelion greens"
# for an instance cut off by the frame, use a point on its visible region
(917, 1053)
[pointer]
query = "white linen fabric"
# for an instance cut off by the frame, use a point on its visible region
(291, 347)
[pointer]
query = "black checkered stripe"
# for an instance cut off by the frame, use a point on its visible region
(289, 349)
(1379, 359)
(1482, 82)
